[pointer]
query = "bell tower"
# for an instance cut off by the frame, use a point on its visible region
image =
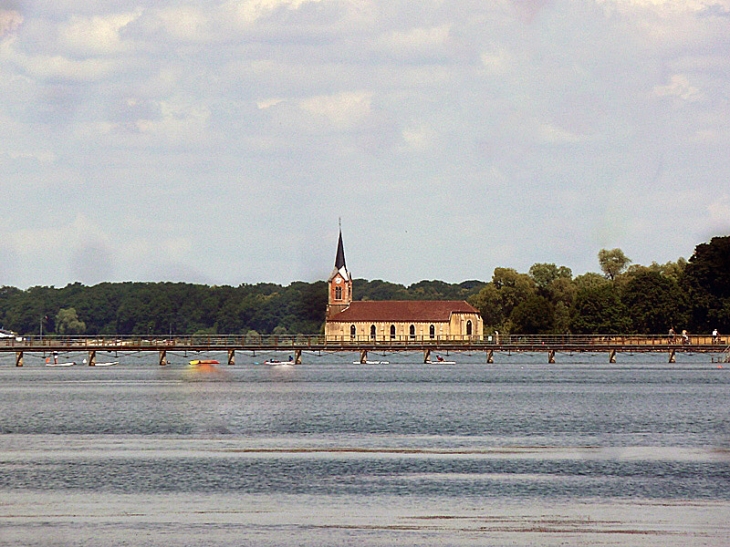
(339, 283)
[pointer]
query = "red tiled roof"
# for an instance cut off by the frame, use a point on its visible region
(403, 310)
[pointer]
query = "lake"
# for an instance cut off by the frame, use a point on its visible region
(520, 452)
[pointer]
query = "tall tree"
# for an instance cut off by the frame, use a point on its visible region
(613, 262)
(707, 280)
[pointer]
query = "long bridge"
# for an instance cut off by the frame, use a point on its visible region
(550, 345)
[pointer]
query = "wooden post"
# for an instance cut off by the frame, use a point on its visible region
(231, 356)
(612, 356)
(163, 357)
(672, 356)
(490, 357)
(18, 358)
(363, 356)
(426, 355)
(92, 358)
(297, 357)
(551, 356)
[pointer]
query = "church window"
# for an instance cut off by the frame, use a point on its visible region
(432, 331)
(352, 331)
(468, 328)
(372, 332)
(392, 332)
(338, 293)
(412, 331)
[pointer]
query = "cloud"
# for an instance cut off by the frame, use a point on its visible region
(719, 211)
(10, 20)
(680, 87)
(98, 35)
(343, 110)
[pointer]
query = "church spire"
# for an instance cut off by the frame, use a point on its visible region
(340, 258)
(340, 283)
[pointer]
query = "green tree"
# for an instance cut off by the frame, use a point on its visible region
(534, 315)
(654, 303)
(67, 322)
(613, 262)
(599, 311)
(706, 278)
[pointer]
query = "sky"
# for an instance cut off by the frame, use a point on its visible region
(221, 141)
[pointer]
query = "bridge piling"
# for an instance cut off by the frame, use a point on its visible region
(551, 356)
(363, 356)
(612, 356)
(490, 357)
(163, 358)
(92, 358)
(297, 357)
(426, 356)
(672, 356)
(18, 358)
(231, 357)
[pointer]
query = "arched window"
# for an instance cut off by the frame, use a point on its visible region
(372, 332)
(352, 331)
(412, 331)
(392, 332)
(432, 332)
(338, 293)
(468, 328)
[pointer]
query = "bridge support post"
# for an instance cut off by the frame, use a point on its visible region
(612, 356)
(18, 358)
(672, 356)
(490, 357)
(92, 358)
(297, 357)
(551, 356)
(231, 357)
(363, 356)
(163, 357)
(426, 356)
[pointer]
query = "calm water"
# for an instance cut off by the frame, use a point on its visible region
(330, 453)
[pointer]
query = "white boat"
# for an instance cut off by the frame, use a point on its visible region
(110, 364)
(277, 363)
(440, 361)
(371, 363)
(69, 364)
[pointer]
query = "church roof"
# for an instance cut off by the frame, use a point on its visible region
(340, 266)
(403, 310)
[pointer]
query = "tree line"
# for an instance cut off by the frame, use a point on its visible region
(689, 294)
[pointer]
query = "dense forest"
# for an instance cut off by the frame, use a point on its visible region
(623, 298)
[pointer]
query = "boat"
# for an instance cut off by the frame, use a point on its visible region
(110, 364)
(198, 362)
(440, 361)
(371, 363)
(69, 364)
(276, 362)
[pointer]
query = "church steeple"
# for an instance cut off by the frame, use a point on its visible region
(340, 283)
(340, 258)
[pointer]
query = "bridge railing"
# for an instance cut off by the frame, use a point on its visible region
(511, 341)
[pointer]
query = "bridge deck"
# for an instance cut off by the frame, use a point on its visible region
(510, 343)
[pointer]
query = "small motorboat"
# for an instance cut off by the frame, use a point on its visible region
(69, 364)
(276, 362)
(371, 363)
(440, 361)
(110, 364)
(203, 362)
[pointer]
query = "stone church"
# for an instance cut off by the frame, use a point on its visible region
(394, 320)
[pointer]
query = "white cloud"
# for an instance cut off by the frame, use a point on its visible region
(343, 110)
(99, 35)
(10, 20)
(679, 86)
(720, 213)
